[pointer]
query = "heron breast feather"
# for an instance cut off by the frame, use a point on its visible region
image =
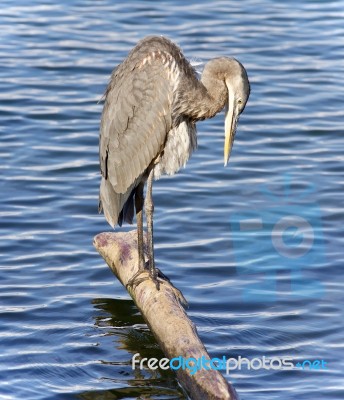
(180, 143)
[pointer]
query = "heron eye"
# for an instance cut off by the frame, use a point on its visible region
(239, 101)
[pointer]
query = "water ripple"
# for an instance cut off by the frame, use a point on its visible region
(68, 329)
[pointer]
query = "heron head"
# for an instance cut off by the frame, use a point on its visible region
(238, 88)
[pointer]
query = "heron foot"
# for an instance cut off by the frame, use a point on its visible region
(135, 280)
(160, 278)
(155, 274)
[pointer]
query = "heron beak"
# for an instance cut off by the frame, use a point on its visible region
(231, 120)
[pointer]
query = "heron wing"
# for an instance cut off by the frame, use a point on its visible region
(135, 121)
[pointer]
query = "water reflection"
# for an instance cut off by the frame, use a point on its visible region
(122, 320)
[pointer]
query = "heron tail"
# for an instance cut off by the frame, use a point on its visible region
(117, 207)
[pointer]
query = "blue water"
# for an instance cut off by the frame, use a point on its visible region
(256, 248)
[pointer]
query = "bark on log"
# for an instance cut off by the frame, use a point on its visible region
(165, 316)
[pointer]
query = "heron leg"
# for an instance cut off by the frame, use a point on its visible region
(139, 199)
(149, 214)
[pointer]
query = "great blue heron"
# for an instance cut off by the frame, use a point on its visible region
(152, 102)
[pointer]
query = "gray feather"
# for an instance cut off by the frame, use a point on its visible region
(152, 103)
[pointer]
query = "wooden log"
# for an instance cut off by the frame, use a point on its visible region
(164, 313)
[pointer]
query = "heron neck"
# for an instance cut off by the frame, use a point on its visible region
(203, 99)
(217, 94)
